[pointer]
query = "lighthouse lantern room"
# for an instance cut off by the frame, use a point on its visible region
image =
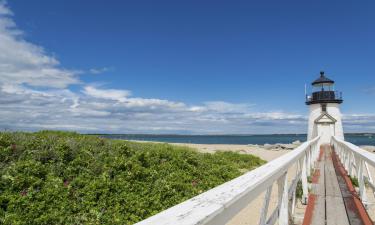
(325, 115)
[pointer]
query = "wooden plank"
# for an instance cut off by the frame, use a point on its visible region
(335, 211)
(318, 190)
(347, 199)
(335, 208)
(329, 206)
(332, 185)
(318, 217)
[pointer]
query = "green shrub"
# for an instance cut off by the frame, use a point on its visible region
(354, 181)
(53, 177)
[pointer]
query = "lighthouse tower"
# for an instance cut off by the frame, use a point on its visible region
(325, 115)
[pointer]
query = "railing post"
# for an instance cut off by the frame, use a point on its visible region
(264, 210)
(305, 190)
(314, 154)
(368, 173)
(369, 176)
(293, 206)
(346, 160)
(294, 193)
(341, 153)
(362, 190)
(357, 164)
(308, 169)
(350, 169)
(283, 200)
(293, 203)
(344, 157)
(311, 157)
(339, 147)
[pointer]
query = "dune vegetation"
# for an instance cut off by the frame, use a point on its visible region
(52, 177)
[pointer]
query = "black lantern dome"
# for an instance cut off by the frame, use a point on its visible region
(323, 92)
(322, 80)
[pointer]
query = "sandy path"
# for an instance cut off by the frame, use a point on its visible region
(262, 153)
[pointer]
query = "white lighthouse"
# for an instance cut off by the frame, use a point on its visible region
(325, 115)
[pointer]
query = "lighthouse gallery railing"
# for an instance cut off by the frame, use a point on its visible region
(220, 204)
(356, 162)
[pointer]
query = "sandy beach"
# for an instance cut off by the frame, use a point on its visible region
(267, 153)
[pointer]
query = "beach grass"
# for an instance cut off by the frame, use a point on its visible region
(54, 177)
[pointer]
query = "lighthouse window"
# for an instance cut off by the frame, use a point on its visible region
(324, 108)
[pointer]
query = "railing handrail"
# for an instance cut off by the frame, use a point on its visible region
(355, 161)
(220, 204)
(357, 151)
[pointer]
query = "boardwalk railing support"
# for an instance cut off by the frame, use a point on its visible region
(304, 181)
(356, 159)
(218, 205)
(266, 203)
(283, 200)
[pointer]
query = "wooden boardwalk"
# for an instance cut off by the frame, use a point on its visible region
(333, 200)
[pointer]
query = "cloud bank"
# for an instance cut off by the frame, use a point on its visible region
(35, 94)
(23, 63)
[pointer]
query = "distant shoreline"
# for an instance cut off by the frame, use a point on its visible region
(145, 134)
(357, 139)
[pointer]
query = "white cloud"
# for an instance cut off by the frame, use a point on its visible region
(22, 62)
(152, 103)
(99, 70)
(222, 106)
(25, 108)
(110, 94)
(117, 111)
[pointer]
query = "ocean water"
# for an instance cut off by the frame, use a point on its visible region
(357, 139)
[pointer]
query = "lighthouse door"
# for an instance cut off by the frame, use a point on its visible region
(326, 132)
(326, 127)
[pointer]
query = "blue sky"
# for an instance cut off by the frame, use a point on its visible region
(182, 66)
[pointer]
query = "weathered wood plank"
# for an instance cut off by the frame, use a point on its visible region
(335, 211)
(331, 183)
(329, 206)
(335, 208)
(319, 211)
(318, 190)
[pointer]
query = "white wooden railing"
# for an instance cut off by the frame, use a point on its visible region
(218, 205)
(356, 162)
